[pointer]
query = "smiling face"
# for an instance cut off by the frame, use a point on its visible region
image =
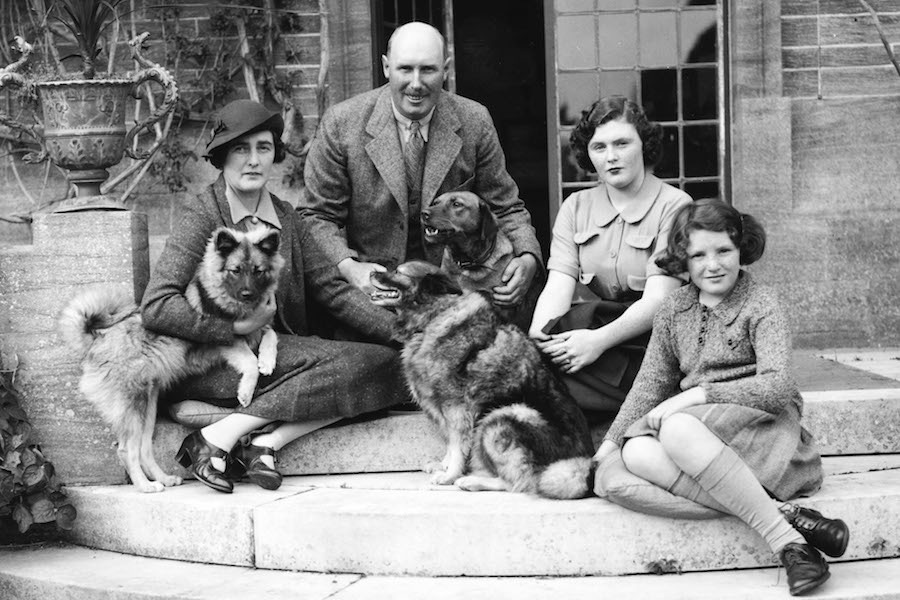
(249, 162)
(714, 263)
(617, 153)
(416, 69)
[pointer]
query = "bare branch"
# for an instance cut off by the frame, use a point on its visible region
(249, 78)
(884, 40)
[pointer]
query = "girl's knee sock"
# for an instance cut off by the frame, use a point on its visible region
(732, 484)
(686, 487)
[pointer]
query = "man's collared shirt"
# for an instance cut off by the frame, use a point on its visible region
(403, 124)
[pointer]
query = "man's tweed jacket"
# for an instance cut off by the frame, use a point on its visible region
(356, 199)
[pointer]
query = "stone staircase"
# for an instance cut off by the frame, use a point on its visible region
(373, 527)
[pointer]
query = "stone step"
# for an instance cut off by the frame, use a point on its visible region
(399, 524)
(848, 422)
(74, 573)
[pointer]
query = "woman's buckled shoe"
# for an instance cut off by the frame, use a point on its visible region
(195, 455)
(259, 472)
(806, 569)
(828, 535)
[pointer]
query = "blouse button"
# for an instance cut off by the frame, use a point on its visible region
(612, 253)
(615, 287)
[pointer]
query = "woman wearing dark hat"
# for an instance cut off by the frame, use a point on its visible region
(316, 381)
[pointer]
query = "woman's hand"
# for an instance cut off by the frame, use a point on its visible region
(662, 411)
(606, 448)
(574, 350)
(261, 317)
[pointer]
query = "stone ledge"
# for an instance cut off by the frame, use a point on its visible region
(398, 524)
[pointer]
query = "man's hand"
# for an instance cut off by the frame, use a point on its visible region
(357, 273)
(516, 278)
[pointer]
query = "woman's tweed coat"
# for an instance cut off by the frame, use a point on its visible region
(739, 352)
(314, 378)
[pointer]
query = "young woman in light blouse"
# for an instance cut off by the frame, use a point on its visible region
(608, 238)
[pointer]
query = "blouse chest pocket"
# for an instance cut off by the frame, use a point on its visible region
(640, 241)
(737, 339)
(588, 244)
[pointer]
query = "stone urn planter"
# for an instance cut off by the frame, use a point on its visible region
(83, 128)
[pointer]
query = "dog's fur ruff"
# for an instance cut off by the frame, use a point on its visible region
(476, 251)
(508, 419)
(125, 366)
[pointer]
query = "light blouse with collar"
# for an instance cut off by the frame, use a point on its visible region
(613, 252)
(264, 212)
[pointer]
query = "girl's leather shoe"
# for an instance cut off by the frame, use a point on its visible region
(195, 454)
(258, 471)
(806, 569)
(828, 535)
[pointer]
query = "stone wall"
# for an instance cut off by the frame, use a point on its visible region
(816, 156)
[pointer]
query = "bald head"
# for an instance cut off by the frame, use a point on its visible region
(416, 68)
(418, 32)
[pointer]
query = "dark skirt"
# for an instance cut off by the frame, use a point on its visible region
(314, 379)
(603, 384)
(777, 448)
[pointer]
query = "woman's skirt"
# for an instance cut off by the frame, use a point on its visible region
(313, 379)
(603, 384)
(778, 449)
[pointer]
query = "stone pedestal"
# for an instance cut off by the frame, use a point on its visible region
(71, 251)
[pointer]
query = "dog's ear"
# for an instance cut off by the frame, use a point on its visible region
(269, 243)
(489, 225)
(226, 241)
(438, 284)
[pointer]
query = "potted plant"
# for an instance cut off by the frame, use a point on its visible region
(83, 128)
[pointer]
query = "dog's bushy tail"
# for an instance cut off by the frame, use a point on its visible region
(566, 479)
(92, 311)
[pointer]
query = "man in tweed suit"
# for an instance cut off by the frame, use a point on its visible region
(359, 203)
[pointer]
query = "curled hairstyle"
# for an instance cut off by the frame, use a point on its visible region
(608, 109)
(218, 155)
(711, 214)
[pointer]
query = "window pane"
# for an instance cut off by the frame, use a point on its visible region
(658, 36)
(701, 155)
(622, 83)
(577, 42)
(618, 39)
(698, 36)
(698, 89)
(702, 189)
(574, 5)
(668, 166)
(660, 94)
(577, 91)
(571, 172)
(658, 3)
(698, 2)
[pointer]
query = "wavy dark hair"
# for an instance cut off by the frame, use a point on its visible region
(711, 214)
(218, 155)
(608, 109)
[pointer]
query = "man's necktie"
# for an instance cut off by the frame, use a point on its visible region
(414, 159)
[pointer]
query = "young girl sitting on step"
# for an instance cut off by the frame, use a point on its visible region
(714, 414)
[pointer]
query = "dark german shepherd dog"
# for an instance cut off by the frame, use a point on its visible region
(509, 422)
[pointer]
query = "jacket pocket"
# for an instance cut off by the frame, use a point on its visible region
(640, 241)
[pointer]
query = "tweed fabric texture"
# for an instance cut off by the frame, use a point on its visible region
(314, 378)
(740, 355)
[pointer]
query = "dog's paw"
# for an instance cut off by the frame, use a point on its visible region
(266, 365)
(170, 480)
(444, 478)
(469, 483)
(434, 467)
(245, 394)
(150, 487)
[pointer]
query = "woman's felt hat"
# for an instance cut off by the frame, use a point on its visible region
(241, 117)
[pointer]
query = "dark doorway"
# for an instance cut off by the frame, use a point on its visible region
(500, 62)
